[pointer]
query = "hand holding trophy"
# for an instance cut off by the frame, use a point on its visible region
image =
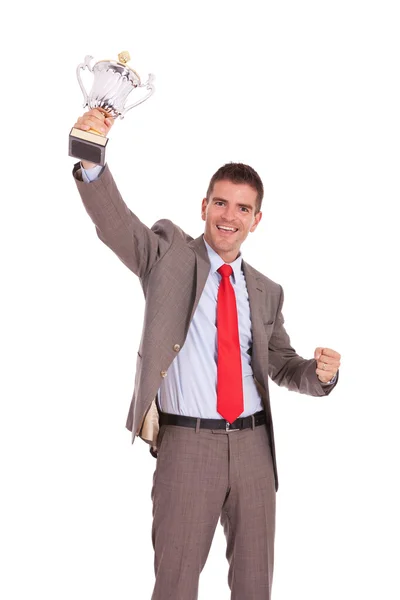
(94, 121)
(113, 81)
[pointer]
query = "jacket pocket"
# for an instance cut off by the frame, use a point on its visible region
(269, 328)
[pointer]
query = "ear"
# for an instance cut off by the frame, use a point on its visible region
(257, 219)
(204, 208)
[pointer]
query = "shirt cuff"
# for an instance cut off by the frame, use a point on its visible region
(92, 174)
(329, 382)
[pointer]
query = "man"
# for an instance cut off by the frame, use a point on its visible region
(213, 333)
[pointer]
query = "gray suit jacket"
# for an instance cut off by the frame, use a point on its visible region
(173, 268)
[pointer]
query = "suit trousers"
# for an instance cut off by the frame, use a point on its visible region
(202, 475)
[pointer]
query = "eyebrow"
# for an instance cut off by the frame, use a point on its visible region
(224, 200)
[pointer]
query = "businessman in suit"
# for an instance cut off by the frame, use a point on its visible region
(213, 334)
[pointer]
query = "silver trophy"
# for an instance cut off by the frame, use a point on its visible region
(113, 82)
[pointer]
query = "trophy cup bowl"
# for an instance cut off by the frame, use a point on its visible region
(113, 82)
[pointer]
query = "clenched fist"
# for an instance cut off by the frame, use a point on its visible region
(328, 363)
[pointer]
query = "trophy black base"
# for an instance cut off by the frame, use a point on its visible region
(87, 146)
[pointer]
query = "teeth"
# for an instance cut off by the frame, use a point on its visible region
(226, 228)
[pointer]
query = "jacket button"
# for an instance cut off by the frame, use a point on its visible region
(177, 347)
(163, 373)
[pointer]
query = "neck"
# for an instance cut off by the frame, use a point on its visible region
(228, 256)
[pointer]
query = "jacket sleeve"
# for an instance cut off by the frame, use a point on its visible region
(137, 246)
(286, 368)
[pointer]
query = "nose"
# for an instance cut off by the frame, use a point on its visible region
(229, 213)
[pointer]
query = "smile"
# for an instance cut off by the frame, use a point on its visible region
(226, 230)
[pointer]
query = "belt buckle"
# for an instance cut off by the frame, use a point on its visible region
(228, 427)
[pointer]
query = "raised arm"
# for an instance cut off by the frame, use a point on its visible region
(137, 246)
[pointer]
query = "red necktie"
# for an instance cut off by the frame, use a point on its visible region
(229, 369)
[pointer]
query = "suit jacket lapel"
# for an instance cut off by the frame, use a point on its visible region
(257, 299)
(202, 269)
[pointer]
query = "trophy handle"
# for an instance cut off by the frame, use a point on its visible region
(149, 85)
(84, 65)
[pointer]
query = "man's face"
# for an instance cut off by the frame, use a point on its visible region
(232, 206)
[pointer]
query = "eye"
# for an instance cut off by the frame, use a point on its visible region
(219, 202)
(244, 208)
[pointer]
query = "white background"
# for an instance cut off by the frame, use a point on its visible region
(308, 94)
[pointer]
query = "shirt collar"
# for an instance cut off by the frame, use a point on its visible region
(216, 261)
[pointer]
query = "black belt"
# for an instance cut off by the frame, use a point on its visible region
(241, 423)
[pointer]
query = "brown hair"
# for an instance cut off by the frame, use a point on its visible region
(239, 173)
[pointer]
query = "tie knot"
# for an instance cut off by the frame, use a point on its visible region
(225, 270)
